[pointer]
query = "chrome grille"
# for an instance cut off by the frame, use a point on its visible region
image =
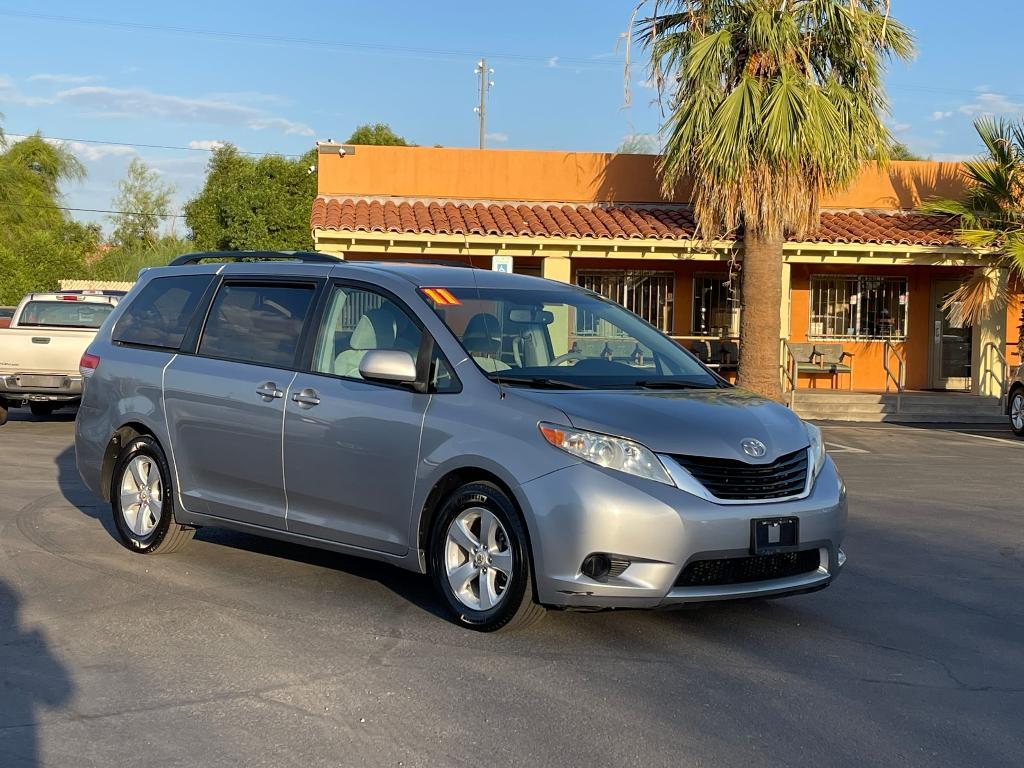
(739, 481)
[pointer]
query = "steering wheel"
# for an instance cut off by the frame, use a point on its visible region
(567, 357)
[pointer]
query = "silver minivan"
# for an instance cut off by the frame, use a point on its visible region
(524, 442)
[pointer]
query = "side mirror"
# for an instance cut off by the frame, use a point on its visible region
(390, 365)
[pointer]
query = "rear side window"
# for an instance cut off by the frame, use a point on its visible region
(259, 324)
(160, 315)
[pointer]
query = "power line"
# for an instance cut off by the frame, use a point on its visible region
(145, 146)
(303, 41)
(94, 210)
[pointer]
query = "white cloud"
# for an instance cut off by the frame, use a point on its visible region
(102, 101)
(649, 84)
(205, 144)
(989, 103)
(900, 127)
(941, 115)
(498, 136)
(11, 94)
(553, 61)
(62, 78)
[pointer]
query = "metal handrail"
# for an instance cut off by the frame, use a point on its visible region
(1004, 379)
(789, 371)
(900, 378)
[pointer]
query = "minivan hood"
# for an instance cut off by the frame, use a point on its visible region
(711, 422)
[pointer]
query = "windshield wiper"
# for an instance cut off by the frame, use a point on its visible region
(540, 382)
(673, 384)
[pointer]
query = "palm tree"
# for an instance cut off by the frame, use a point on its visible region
(771, 104)
(991, 218)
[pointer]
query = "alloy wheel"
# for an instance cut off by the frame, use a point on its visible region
(1017, 411)
(478, 559)
(142, 495)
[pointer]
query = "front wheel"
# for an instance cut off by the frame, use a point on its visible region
(1017, 412)
(479, 560)
(3, 412)
(142, 499)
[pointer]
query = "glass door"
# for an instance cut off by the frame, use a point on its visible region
(951, 344)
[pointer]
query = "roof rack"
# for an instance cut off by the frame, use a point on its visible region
(304, 257)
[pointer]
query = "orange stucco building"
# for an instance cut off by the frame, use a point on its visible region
(872, 278)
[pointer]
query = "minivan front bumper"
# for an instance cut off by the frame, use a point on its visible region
(659, 529)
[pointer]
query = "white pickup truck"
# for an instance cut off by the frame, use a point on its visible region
(40, 351)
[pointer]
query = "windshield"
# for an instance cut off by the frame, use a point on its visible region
(563, 339)
(65, 314)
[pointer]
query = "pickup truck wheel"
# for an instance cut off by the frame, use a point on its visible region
(42, 410)
(142, 500)
(480, 561)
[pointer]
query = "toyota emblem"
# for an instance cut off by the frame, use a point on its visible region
(754, 448)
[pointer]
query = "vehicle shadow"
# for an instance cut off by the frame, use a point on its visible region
(414, 588)
(31, 678)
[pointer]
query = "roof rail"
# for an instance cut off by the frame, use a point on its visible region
(305, 257)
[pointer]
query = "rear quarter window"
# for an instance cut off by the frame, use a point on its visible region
(160, 315)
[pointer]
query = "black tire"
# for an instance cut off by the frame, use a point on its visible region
(3, 412)
(42, 410)
(167, 536)
(1016, 401)
(516, 609)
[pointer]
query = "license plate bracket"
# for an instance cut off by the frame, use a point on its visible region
(770, 535)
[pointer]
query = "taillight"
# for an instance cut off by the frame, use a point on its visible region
(88, 364)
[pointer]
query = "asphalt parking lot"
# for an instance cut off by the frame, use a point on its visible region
(241, 651)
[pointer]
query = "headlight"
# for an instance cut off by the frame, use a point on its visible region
(817, 449)
(606, 451)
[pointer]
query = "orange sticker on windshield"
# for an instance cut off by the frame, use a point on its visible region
(441, 296)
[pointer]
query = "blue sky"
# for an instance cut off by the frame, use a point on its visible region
(558, 78)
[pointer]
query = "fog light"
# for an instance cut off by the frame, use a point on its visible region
(596, 566)
(840, 558)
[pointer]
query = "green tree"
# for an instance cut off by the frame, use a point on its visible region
(143, 203)
(900, 151)
(376, 133)
(770, 106)
(991, 217)
(39, 243)
(253, 204)
(31, 172)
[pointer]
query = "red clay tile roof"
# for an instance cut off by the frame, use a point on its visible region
(621, 222)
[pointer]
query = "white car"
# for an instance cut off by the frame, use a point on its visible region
(40, 351)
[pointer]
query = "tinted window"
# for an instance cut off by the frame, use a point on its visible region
(260, 324)
(161, 313)
(357, 321)
(65, 314)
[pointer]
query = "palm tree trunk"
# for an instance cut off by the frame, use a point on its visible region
(761, 317)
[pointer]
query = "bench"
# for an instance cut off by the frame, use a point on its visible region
(821, 360)
(718, 355)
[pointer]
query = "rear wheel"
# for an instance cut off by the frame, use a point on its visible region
(142, 500)
(479, 560)
(1017, 412)
(3, 412)
(42, 410)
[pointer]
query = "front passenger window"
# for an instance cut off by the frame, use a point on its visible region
(357, 321)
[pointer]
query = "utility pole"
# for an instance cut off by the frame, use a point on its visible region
(486, 84)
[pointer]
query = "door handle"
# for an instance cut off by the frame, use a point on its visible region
(307, 398)
(269, 391)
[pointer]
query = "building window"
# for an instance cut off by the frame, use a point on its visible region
(647, 293)
(716, 305)
(858, 307)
